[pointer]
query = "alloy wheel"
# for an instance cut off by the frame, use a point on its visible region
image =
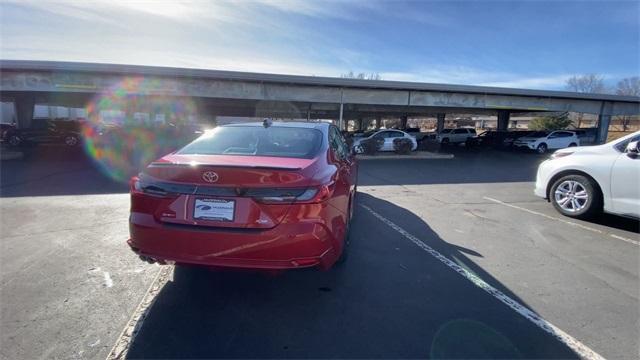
(71, 140)
(542, 148)
(571, 196)
(14, 140)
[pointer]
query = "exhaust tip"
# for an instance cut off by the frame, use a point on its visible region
(147, 259)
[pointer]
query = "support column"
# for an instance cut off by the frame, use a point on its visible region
(340, 120)
(378, 122)
(359, 124)
(403, 122)
(503, 120)
(604, 119)
(365, 123)
(440, 122)
(24, 106)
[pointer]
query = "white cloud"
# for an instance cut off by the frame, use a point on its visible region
(327, 8)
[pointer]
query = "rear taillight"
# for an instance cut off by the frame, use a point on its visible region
(287, 196)
(134, 184)
(143, 185)
(138, 185)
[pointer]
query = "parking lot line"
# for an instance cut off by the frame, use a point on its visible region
(618, 237)
(579, 348)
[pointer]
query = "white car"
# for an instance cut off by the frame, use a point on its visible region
(582, 181)
(388, 136)
(455, 136)
(541, 141)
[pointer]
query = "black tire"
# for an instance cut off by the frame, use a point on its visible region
(591, 207)
(14, 140)
(542, 148)
(445, 141)
(573, 145)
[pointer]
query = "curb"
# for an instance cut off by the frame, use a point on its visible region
(422, 155)
(133, 326)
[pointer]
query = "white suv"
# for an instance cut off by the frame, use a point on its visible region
(541, 141)
(582, 181)
(455, 136)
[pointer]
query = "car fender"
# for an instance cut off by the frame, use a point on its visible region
(582, 165)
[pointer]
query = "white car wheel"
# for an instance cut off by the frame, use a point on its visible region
(71, 140)
(575, 196)
(542, 148)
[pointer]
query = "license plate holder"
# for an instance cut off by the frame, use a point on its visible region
(214, 209)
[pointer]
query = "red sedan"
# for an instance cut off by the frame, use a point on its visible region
(259, 195)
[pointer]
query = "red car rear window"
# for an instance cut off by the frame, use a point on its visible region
(257, 141)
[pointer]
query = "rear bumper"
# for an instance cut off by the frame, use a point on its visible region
(286, 246)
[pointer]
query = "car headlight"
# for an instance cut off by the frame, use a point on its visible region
(560, 154)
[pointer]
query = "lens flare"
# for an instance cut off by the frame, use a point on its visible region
(125, 131)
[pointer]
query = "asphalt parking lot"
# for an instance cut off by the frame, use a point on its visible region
(431, 241)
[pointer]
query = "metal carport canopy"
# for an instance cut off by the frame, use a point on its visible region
(20, 77)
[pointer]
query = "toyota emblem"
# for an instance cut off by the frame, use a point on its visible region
(210, 176)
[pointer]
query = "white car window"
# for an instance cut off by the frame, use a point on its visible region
(623, 145)
(381, 135)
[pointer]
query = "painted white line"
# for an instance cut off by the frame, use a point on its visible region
(579, 348)
(624, 239)
(588, 228)
(134, 324)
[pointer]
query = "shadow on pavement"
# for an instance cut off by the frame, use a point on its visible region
(390, 300)
(618, 222)
(55, 170)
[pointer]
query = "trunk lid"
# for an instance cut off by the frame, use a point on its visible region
(221, 190)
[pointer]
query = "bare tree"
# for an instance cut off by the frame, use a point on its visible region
(361, 76)
(588, 83)
(628, 86)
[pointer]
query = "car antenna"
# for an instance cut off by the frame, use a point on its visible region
(267, 122)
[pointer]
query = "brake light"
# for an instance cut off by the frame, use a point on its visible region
(287, 196)
(139, 186)
(134, 184)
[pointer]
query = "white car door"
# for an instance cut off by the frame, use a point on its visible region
(392, 135)
(565, 138)
(459, 135)
(625, 188)
(553, 141)
(381, 135)
(388, 143)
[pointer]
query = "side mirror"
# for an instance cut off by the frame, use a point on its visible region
(632, 149)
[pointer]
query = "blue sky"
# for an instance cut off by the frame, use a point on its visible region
(526, 44)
